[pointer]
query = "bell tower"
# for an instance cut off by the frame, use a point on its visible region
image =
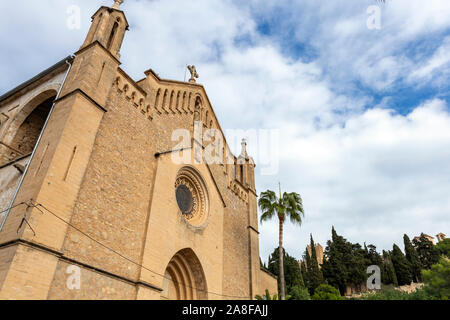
(108, 28)
(98, 59)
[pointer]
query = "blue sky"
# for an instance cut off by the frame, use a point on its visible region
(363, 113)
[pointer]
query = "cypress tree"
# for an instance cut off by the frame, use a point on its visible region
(401, 266)
(307, 259)
(334, 268)
(388, 276)
(315, 275)
(385, 276)
(358, 266)
(304, 274)
(413, 259)
(301, 282)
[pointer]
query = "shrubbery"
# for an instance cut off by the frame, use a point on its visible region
(326, 292)
(299, 293)
(437, 280)
(393, 294)
(443, 247)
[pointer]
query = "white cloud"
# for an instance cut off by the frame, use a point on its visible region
(436, 68)
(348, 50)
(379, 176)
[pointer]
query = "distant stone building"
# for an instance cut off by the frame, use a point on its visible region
(440, 237)
(103, 211)
(319, 254)
(430, 238)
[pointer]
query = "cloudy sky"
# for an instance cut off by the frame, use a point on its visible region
(362, 113)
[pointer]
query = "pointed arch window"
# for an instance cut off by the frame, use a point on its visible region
(112, 35)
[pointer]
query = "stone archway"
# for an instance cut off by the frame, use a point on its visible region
(184, 278)
(24, 130)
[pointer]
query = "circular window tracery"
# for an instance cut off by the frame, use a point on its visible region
(191, 197)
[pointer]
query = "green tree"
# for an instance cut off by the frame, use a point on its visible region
(428, 254)
(299, 280)
(337, 254)
(401, 266)
(345, 264)
(357, 268)
(437, 280)
(443, 247)
(299, 293)
(304, 273)
(372, 256)
(326, 292)
(286, 206)
(293, 276)
(413, 259)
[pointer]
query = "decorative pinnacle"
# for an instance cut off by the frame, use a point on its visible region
(244, 148)
(117, 4)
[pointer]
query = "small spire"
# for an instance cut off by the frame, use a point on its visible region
(117, 4)
(244, 148)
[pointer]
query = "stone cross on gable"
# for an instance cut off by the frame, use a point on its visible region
(117, 4)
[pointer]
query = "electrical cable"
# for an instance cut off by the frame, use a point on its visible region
(37, 205)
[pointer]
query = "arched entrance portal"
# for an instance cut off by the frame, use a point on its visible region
(184, 278)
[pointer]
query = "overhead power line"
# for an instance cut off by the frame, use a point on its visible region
(39, 205)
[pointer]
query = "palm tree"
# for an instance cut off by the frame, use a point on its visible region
(290, 205)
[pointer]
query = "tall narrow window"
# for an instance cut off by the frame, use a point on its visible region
(112, 35)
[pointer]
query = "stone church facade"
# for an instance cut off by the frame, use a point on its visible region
(94, 205)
